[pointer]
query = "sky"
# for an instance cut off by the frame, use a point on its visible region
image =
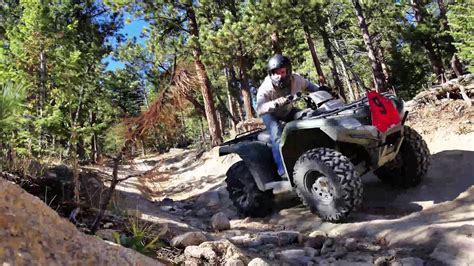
(130, 30)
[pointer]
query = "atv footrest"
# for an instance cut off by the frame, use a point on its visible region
(279, 186)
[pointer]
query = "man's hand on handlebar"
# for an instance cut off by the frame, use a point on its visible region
(287, 99)
(280, 101)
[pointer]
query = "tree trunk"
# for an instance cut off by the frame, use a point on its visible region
(338, 86)
(94, 149)
(379, 54)
(276, 42)
(435, 59)
(456, 66)
(214, 130)
(377, 71)
(245, 88)
(236, 94)
(348, 82)
(230, 101)
(314, 55)
(455, 62)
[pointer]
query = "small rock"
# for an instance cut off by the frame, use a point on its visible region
(108, 225)
(167, 208)
(220, 222)
(318, 233)
(339, 252)
(466, 229)
(324, 261)
(311, 252)
(410, 261)
(352, 263)
(199, 252)
(350, 244)
(234, 262)
(202, 212)
(245, 240)
(368, 246)
(359, 257)
(329, 242)
(327, 246)
(301, 260)
(258, 262)
(271, 255)
(267, 238)
(315, 242)
(208, 199)
(326, 250)
(292, 253)
(106, 234)
(383, 261)
(288, 237)
(226, 250)
(188, 239)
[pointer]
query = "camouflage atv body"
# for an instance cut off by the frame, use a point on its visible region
(326, 150)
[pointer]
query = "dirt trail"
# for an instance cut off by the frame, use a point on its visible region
(435, 219)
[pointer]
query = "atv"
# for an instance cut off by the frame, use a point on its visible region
(326, 149)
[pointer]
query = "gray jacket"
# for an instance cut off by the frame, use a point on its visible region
(267, 94)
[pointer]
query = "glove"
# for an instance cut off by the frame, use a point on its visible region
(280, 102)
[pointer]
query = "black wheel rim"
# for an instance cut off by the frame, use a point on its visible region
(241, 195)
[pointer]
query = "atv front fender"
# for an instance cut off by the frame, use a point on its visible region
(258, 157)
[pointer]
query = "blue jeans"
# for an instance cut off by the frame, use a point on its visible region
(271, 123)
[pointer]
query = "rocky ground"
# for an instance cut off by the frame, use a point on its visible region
(432, 224)
(182, 194)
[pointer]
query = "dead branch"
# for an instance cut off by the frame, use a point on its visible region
(108, 196)
(462, 87)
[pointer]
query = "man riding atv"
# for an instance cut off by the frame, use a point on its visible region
(323, 150)
(272, 103)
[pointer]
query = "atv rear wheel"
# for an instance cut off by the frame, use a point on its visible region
(244, 193)
(411, 163)
(328, 183)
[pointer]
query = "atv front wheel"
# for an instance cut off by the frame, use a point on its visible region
(328, 183)
(411, 163)
(244, 193)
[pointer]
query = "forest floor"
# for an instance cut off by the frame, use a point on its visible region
(432, 223)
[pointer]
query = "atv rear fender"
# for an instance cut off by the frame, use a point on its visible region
(370, 147)
(257, 155)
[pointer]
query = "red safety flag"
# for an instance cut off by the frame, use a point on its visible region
(384, 113)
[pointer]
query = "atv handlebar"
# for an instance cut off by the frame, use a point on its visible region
(291, 98)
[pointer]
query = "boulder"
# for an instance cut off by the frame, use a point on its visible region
(32, 233)
(188, 239)
(220, 222)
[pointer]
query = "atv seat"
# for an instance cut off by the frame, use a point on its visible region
(264, 136)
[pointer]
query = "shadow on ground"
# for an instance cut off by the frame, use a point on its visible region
(450, 174)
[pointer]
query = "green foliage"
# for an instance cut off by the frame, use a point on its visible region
(56, 52)
(461, 21)
(140, 236)
(12, 98)
(114, 139)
